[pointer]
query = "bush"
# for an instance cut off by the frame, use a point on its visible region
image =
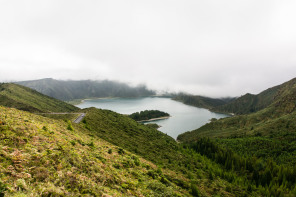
(3, 188)
(91, 145)
(194, 190)
(121, 151)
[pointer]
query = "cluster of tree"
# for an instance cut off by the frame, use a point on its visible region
(148, 114)
(71, 90)
(276, 179)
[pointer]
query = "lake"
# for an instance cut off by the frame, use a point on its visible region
(183, 117)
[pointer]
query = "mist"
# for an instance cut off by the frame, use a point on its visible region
(211, 48)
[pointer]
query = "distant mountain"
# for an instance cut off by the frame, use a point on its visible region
(245, 104)
(71, 90)
(249, 103)
(279, 101)
(23, 98)
(201, 101)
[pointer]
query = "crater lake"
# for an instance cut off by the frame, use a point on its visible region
(183, 117)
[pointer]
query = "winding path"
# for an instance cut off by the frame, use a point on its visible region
(77, 120)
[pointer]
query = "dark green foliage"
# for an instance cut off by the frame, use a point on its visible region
(121, 151)
(91, 145)
(262, 173)
(152, 125)
(71, 90)
(148, 114)
(194, 190)
(23, 98)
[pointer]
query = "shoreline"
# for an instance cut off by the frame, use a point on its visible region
(154, 119)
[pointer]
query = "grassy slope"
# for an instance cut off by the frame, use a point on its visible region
(39, 156)
(164, 151)
(20, 97)
(122, 130)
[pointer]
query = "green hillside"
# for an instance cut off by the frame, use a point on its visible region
(23, 98)
(267, 137)
(281, 110)
(250, 103)
(111, 154)
(45, 157)
(71, 90)
(105, 154)
(273, 127)
(41, 157)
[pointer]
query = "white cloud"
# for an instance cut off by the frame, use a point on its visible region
(214, 48)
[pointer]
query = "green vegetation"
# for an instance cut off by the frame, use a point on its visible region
(148, 114)
(152, 125)
(77, 90)
(201, 101)
(20, 97)
(260, 146)
(41, 157)
(204, 175)
(111, 154)
(127, 133)
(268, 177)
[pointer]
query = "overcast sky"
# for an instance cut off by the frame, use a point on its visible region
(213, 47)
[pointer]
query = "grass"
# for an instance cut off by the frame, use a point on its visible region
(40, 156)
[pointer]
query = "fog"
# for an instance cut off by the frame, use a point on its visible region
(213, 48)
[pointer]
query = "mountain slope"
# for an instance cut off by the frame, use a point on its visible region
(23, 98)
(270, 130)
(250, 103)
(245, 104)
(261, 145)
(201, 101)
(70, 90)
(44, 157)
(41, 157)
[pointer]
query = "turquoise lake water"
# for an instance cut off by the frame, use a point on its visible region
(183, 117)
